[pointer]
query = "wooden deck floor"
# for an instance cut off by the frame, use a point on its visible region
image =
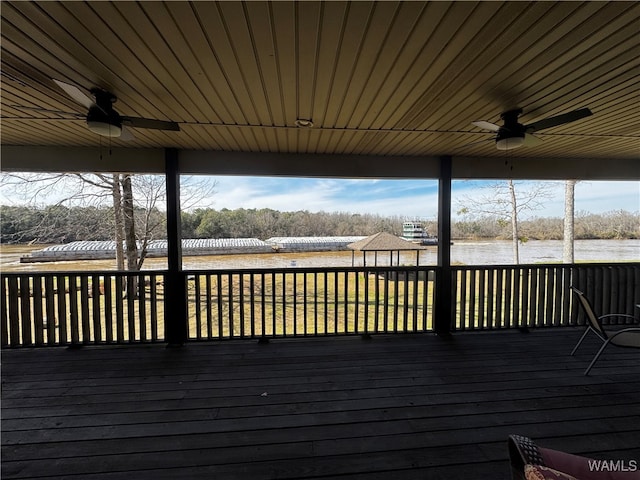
(392, 407)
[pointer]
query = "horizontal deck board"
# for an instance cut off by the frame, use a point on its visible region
(245, 434)
(416, 406)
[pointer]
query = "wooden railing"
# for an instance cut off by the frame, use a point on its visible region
(81, 308)
(116, 307)
(522, 296)
(313, 301)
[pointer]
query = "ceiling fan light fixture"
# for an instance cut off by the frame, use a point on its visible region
(104, 122)
(104, 129)
(509, 143)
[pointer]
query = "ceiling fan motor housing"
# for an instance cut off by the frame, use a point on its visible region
(511, 134)
(102, 118)
(511, 126)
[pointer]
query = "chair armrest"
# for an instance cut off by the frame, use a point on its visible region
(625, 340)
(623, 315)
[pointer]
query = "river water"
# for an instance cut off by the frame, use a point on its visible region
(544, 251)
(462, 252)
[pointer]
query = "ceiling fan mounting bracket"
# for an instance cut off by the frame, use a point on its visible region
(104, 99)
(510, 117)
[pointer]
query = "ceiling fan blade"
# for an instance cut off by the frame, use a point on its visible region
(75, 93)
(558, 120)
(486, 125)
(126, 134)
(531, 140)
(137, 122)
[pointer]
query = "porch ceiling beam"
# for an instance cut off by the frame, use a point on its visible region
(82, 159)
(311, 165)
(140, 160)
(508, 166)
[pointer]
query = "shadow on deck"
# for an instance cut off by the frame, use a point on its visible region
(415, 406)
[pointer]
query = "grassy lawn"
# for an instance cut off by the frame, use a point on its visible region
(306, 304)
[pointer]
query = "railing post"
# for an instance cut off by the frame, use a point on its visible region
(443, 284)
(175, 292)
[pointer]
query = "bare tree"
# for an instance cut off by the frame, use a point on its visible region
(129, 226)
(506, 202)
(515, 244)
(569, 221)
(135, 199)
(149, 224)
(119, 222)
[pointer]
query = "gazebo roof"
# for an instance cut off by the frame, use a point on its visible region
(383, 241)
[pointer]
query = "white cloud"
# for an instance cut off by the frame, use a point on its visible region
(279, 194)
(407, 198)
(598, 197)
(591, 196)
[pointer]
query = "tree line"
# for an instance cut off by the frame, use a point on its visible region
(61, 224)
(613, 225)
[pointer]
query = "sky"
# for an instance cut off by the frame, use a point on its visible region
(409, 199)
(406, 198)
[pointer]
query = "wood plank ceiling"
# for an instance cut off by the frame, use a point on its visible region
(383, 78)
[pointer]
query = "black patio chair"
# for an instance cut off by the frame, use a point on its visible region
(626, 337)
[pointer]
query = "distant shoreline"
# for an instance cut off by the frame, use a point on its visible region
(469, 252)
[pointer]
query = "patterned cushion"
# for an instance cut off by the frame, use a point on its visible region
(527, 449)
(538, 472)
(579, 466)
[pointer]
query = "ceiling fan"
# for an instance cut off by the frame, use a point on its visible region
(513, 134)
(104, 120)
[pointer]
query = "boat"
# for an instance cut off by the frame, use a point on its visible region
(416, 233)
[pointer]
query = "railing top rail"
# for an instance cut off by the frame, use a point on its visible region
(225, 271)
(88, 273)
(295, 269)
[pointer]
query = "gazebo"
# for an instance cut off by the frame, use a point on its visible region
(384, 242)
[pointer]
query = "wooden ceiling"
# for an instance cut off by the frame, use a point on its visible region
(376, 78)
